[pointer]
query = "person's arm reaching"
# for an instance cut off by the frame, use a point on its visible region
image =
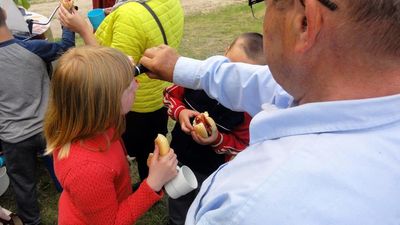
(238, 86)
(50, 51)
(75, 22)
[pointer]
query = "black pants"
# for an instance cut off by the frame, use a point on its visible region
(178, 208)
(141, 130)
(21, 161)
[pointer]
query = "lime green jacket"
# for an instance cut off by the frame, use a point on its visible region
(131, 29)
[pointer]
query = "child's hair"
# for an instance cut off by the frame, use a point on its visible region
(85, 96)
(253, 46)
(2, 17)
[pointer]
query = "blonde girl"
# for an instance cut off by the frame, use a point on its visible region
(91, 90)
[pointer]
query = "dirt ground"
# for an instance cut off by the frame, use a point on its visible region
(189, 7)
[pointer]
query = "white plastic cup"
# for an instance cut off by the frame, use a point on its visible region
(182, 184)
(4, 180)
(96, 16)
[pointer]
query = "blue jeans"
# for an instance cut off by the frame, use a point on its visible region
(21, 161)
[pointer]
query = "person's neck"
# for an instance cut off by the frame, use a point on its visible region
(5, 34)
(354, 77)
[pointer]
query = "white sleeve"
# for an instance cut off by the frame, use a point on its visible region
(237, 86)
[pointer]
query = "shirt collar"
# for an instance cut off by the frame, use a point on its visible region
(8, 42)
(322, 117)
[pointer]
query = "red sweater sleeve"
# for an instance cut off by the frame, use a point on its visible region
(173, 99)
(92, 192)
(234, 142)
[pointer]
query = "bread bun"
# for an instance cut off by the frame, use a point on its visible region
(204, 125)
(201, 130)
(68, 4)
(163, 146)
(162, 143)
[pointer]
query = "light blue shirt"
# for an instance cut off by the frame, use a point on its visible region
(320, 163)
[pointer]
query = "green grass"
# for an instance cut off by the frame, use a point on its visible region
(48, 196)
(205, 35)
(209, 34)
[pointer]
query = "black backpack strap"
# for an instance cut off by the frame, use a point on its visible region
(156, 19)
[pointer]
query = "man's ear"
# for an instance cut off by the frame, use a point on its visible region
(3, 11)
(308, 25)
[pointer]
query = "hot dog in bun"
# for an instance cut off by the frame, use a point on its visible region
(162, 143)
(204, 125)
(68, 4)
(163, 146)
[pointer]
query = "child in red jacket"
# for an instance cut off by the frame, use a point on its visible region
(205, 155)
(91, 90)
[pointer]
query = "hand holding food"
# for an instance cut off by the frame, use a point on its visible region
(162, 143)
(163, 146)
(204, 125)
(162, 164)
(184, 120)
(205, 131)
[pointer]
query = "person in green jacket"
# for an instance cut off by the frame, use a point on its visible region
(132, 29)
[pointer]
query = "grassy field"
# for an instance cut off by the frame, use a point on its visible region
(205, 35)
(209, 34)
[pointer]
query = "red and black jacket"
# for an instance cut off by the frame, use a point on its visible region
(233, 130)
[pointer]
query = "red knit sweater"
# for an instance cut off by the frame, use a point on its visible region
(97, 186)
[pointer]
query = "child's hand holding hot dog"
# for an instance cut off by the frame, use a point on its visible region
(184, 120)
(205, 131)
(161, 168)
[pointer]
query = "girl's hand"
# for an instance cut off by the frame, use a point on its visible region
(184, 120)
(161, 169)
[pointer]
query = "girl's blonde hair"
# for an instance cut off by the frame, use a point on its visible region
(85, 96)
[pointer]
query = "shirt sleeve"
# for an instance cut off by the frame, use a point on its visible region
(233, 142)
(173, 100)
(91, 190)
(237, 86)
(50, 51)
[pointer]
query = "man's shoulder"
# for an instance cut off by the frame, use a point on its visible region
(8, 42)
(304, 178)
(19, 45)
